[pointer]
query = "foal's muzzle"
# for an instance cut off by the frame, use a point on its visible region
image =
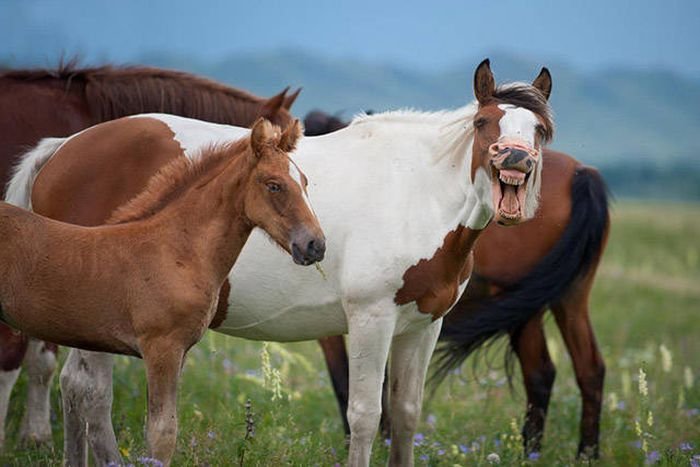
(307, 248)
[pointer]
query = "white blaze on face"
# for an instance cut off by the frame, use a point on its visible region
(518, 123)
(296, 176)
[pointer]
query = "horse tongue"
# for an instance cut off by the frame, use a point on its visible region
(509, 202)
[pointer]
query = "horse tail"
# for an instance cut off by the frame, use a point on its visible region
(506, 313)
(19, 188)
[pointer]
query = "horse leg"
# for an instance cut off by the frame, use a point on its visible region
(538, 376)
(13, 347)
(370, 330)
(40, 365)
(337, 362)
(163, 359)
(572, 317)
(86, 391)
(410, 356)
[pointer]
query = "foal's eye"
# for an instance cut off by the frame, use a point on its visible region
(273, 187)
(479, 122)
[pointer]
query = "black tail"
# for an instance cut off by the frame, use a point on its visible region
(507, 312)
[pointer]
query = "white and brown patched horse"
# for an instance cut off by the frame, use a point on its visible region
(148, 284)
(402, 197)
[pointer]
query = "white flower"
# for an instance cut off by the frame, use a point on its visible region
(666, 358)
(493, 458)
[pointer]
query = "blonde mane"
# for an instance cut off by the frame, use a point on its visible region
(176, 178)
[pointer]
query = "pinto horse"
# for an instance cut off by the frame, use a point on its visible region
(44, 103)
(547, 262)
(402, 197)
(147, 284)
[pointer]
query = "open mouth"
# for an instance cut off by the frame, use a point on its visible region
(509, 190)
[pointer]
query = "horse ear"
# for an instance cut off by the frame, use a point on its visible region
(484, 84)
(290, 136)
(274, 104)
(260, 136)
(289, 100)
(543, 82)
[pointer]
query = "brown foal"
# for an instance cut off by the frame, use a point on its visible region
(148, 284)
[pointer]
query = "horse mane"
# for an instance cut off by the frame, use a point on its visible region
(176, 178)
(113, 92)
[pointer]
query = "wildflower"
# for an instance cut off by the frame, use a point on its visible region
(440, 452)
(493, 458)
(695, 461)
(431, 420)
(653, 457)
(692, 412)
(143, 460)
(650, 419)
(666, 358)
(211, 435)
(688, 378)
(464, 449)
(424, 457)
(387, 442)
(643, 387)
(533, 456)
(686, 446)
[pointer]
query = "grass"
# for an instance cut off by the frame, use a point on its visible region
(645, 308)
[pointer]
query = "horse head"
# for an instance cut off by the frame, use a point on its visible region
(276, 198)
(512, 124)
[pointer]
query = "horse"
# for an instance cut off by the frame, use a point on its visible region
(417, 190)
(519, 272)
(147, 283)
(63, 101)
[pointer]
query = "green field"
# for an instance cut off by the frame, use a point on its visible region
(646, 313)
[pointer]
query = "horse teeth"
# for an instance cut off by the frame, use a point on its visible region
(515, 181)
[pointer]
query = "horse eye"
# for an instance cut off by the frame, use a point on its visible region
(273, 187)
(479, 122)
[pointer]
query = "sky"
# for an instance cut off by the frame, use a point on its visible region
(587, 35)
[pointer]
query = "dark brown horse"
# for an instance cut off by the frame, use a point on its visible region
(43, 103)
(519, 272)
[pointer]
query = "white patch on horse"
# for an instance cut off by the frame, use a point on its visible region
(296, 176)
(518, 123)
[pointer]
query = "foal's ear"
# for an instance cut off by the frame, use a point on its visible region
(260, 136)
(290, 136)
(543, 82)
(484, 84)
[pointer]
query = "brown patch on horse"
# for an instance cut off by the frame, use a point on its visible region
(434, 283)
(221, 306)
(114, 92)
(140, 145)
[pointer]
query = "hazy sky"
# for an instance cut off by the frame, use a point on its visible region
(428, 34)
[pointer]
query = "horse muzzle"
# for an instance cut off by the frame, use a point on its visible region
(512, 163)
(307, 248)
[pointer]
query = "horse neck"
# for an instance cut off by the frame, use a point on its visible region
(212, 217)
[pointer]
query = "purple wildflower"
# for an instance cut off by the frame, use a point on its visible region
(463, 449)
(143, 460)
(653, 457)
(533, 456)
(424, 457)
(621, 405)
(686, 446)
(695, 461)
(431, 420)
(692, 412)
(387, 442)
(418, 439)
(440, 452)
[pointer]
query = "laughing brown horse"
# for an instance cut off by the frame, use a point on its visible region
(519, 272)
(148, 284)
(43, 103)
